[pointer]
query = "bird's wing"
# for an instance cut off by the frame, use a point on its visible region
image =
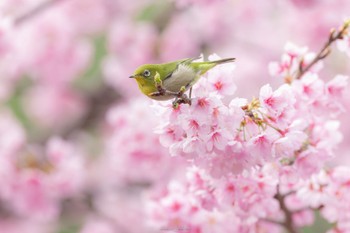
(182, 76)
(186, 61)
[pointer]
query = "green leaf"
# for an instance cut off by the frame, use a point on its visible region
(320, 225)
(158, 12)
(15, 102)
(91, 78)
(69, 229)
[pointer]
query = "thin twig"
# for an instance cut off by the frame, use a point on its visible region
(272, 221)
(326, 49)
(35, 11)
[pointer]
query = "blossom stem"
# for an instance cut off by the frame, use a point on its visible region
(326, 50)
(34, 11)
(275, 128)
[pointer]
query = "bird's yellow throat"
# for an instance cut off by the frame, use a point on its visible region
(145, 85)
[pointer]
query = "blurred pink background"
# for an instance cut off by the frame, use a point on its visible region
(78, 147)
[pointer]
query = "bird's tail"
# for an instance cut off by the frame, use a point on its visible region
(203, 67)
(222, 61)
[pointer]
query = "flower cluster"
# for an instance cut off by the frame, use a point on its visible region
(283, 126)
(135, 147)
(293, 60)
(254, 158)
(344, 42)
(35, 180)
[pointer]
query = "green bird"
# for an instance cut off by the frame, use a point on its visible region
(170, 80)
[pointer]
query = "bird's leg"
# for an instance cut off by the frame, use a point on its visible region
(176, 103)
(183, 96)
(178, 98)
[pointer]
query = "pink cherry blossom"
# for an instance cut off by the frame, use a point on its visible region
(38, 182)
(59, 55)
(24, 226)
(221, 80)
(344, 45)
(277, 102)
(294, 58)
(122, 43)
(13, 136)
(9, 68)
(95, 225)
(46, 111)
(171, 41)
(260, 146)
(130, 144)
(182, 3)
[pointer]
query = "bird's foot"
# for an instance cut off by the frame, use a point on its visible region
(180, 96)
(182, 99)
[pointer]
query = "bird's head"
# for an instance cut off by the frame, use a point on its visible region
(144, 75)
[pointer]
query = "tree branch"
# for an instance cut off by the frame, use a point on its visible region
(98, 104)
(326, 49)
(288, 221)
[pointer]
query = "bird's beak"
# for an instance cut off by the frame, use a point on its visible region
(132, 76)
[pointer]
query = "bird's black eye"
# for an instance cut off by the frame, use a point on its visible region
(146, 73)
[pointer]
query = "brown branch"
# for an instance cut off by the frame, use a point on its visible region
(35, 11)
(98, 104)
(326, 49)
(5, 211)
(288, 221)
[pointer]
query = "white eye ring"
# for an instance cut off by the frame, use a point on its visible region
(146, 73)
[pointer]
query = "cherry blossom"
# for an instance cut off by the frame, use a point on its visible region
(344, 45)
